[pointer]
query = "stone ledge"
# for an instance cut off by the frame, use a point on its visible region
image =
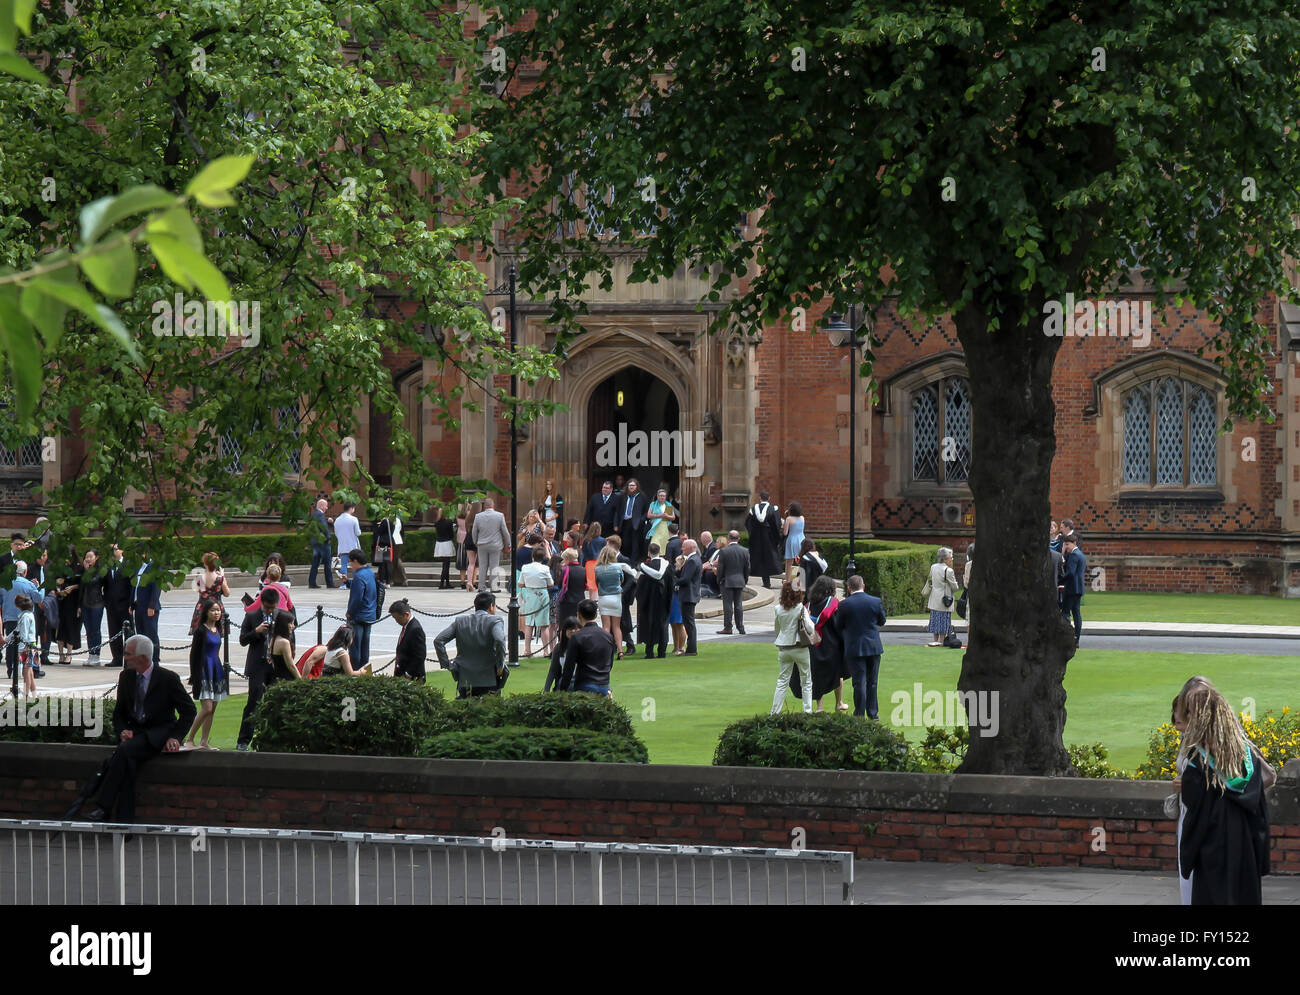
(979, 794)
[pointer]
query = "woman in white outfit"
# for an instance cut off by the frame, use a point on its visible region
(535, 599)
(942, 583)
(791, 618)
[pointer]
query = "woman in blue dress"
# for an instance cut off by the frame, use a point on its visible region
(675, 616)
(792, 529)
(209, 681)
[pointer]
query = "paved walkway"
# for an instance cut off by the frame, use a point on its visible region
(178, 607)
(887, 882)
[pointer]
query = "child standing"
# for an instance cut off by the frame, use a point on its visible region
(1223, 845)
(28, 650)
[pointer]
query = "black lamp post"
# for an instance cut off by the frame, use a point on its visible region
(846, 335)
(513, 611)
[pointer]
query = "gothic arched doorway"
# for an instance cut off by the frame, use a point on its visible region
(633, 430)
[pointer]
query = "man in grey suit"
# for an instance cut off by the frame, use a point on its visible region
(688, 592)
(733, 571)
(492, 537)
(480, 648)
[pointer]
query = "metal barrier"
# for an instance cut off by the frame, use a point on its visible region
(78, 863)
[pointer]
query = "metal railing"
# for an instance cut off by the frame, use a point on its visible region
(78, 863)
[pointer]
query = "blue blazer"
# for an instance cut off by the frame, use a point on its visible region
(363, 599)
(147, 596)
(858, 620)
(1076, 569)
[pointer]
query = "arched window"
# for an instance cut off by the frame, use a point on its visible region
(1170, 434)
(941, 431)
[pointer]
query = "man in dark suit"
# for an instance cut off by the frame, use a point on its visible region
(858, 620)
(320, 528)
(410, 642)
(674, 547)
(733, 571)
(603, 508)
(117, 603)
(632, 509)
(146, 603)
(687, 586)
(590, 656)
(152, 715)
(1076, 570)
(709, 565)
(255, 633)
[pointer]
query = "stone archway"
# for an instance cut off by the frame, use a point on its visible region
(560, 445)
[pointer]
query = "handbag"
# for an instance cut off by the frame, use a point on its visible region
(801, 636)
(962, 605)
(383, 554)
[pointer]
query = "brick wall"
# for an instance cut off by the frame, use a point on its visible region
(995, 820)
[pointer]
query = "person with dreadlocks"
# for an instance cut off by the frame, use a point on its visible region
(1223, 849)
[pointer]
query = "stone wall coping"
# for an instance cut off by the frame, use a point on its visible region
(971, 793)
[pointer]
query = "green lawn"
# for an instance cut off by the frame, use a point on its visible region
(1114, 697)
(1235, 609)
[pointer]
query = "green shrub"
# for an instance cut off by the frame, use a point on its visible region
(44, 711)
(369, 716)
(516, 743)
(1162, 752)
(1275, 734)
(1090, 761)
(569, 710)
(942, 750)
(826, 741)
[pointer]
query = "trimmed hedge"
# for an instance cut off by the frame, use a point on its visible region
(365, 716)
(895, 572)
(825, 741)
(45, 709)
(517, 743)
(556, 710)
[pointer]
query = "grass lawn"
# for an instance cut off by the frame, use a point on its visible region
(1232, 609)
(1114, 697)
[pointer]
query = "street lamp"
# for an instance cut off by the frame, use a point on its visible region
(846, 335)
(513, 612)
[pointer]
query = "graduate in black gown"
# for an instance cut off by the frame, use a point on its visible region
(827, 657)
(1224, 842)
(764, 526)
(653, 596)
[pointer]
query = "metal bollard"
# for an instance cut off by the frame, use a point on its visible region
(320, 624)
(225, 639)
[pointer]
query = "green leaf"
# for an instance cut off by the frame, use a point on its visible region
(100, 215)
(195, 266)
(16, 65)
(215, 198)
(161, 246)
(112, 271)
(178, 224)
(18, 339)
(79, 297)
(220, 174)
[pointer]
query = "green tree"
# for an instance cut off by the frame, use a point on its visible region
(354, 235)
(973, 159)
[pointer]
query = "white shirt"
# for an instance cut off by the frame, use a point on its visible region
(348, 532)
(397, 531)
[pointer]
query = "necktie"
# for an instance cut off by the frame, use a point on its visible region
(141, 688)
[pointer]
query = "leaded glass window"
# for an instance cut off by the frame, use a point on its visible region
(941, 432)
(1170, 435)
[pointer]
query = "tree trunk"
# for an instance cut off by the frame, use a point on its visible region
(1019, 644)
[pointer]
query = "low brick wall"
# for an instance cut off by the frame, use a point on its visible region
(1036, 821)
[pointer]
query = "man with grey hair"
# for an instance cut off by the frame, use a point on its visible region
(320, 529)
(20, 585)
(492, 537)
(153, 714)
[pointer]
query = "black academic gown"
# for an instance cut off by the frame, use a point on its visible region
(764, 543)
(1224, 845)
(653, 599)
(826, 658)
